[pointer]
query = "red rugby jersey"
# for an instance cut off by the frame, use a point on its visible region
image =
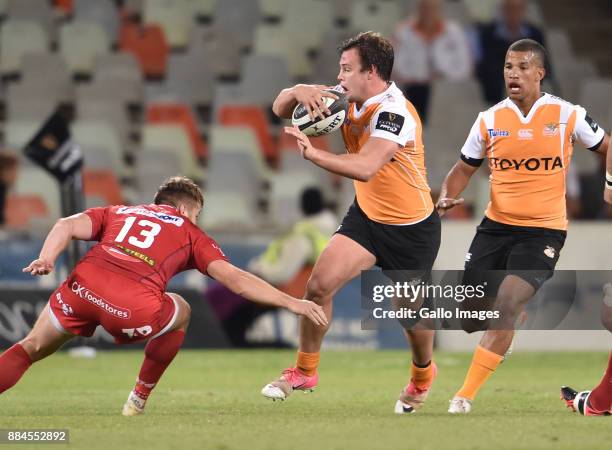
(148, 243)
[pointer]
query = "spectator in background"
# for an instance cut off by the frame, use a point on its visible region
(429, 46)
(286, 263)
(8, 175)
(490, 43)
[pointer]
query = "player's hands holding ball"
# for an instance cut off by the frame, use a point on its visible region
(312, 97)
(309, 309)
(39, 267)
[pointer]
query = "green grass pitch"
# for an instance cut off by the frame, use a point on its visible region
(211, 400)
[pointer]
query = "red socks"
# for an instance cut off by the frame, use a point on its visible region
(601, 396)
(13, 364)
(159, 353)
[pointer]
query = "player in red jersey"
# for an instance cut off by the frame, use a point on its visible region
(120, 284)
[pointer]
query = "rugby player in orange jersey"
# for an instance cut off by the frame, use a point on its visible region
(120, 284)
(392, 223)
(528, 139)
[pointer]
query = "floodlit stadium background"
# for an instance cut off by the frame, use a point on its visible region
(188, 90)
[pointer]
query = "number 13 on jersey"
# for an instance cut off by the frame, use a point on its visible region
(144, 238)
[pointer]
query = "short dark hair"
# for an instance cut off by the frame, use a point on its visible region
(374, 50)
(175, 190)
(529, 45)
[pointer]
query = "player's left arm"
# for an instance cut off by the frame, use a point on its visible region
(362, 166)
(78, 226)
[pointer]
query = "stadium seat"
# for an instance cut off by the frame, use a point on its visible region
(190, 79)
(570, 75)
(50, 71)
(175, 138)
(220, 48)
(234, 171)
(238, 139)
(33, 10)
(66, 6)
(252, 116)
(31, 101)
(103, 12)
(201, 9)
(303, 16)
(240, 17)
(272, 9)
(380, 16)
(101, 185)
(228, 210)
(174, 18)
(180, 114)
(153, 166)
(148, 44)
(262, 78)
(23, 210)
(80, 53)
(96, 138)
(19, 37)
(124, 93)
(117, 66)
(111, 112)
(32, 180)
(277, 40)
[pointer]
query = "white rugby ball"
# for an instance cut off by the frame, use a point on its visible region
(318, 127)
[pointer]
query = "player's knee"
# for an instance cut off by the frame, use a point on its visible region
(319, 290)
(184, 311)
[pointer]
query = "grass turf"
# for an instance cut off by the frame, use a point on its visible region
(211, 400)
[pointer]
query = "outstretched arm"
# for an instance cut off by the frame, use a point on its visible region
(454, 184)
(78, 226)
(257, 290)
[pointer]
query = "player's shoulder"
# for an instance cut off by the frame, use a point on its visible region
(393, 100)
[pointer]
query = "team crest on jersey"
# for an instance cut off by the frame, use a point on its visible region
(549, 251)
(496, 132)
(551, 129)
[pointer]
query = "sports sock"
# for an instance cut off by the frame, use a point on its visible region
(483, 365)
(601, 397)
(159, 353)
(307, 363)
(13, 364)
(422, 376)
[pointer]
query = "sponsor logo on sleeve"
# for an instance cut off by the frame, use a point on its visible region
(390, 122)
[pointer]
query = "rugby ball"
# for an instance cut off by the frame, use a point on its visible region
(318, 127)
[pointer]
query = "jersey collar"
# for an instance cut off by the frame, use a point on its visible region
(526, 119)
(392, 89)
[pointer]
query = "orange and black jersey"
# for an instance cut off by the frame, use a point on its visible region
(529, 158)
(398, 194)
